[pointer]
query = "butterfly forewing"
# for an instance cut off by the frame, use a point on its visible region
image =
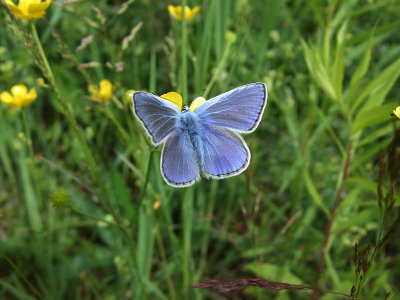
(157, 115)
(240, 109)
(224, 153)
(178, 161)
(207, 141)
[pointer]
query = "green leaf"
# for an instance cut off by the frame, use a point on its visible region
(274, 272)
(376, 134)
(359, 73)
(358, 219)
(372, 116)
(364, 183)
(338, 63)
(312, 190)
(377, 89)
(318, 70)
(369, 154)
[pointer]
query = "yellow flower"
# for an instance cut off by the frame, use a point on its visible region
(19, 96)
(173, 97)
(176, 12)
(28, 9)
(196, 103)
(396, 112)
(103, 93)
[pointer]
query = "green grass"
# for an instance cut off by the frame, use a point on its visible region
(325, 158)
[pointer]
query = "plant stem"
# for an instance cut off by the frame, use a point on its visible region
(187, 204)
(28, 135)
(67, 110)
(50, 76)
(184, 53)
(218, 70)
(331, 219)
(35, 199)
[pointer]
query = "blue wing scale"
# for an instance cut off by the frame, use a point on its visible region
(240, 109)
(224, 153)
(157, 115)
(178, 162)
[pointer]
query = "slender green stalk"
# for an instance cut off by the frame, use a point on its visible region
(145, 236)
(29, 175)
(170, 283)
(28, 135)
(187, 212)
(187, 203)
(22, 276)
(218, 70)
(332, 218)
(67, 110)
(50, 76)
(146, 181)
(184, 53)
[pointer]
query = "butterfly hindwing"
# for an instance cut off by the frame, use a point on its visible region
(205, 140)
(224, 153)
(240, 109)
(178, 161)
(157, 115)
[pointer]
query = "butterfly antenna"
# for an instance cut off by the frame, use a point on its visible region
(203, 91)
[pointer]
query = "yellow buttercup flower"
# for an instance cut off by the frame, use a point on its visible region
(173, 97)
(28, 9)
(176, 12)
(19, 96)
(103, 93)
(396, 112)
(196, 103)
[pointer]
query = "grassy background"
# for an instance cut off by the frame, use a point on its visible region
(331, 68)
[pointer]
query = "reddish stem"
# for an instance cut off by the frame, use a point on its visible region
(331, 219)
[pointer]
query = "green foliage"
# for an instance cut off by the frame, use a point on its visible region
(84, 211)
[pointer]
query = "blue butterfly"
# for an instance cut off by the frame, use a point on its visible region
(203, 139)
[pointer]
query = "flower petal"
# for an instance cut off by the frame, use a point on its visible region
(15, 10)
(105, 90)
(19, 90)
(173, 97)
(396, 112)
(6, 98)
(32, 94)
(37, 9)
(193, 13)
(28, 98)
(175, 11)
(196, 103)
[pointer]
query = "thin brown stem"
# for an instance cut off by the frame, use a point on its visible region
(331, 219)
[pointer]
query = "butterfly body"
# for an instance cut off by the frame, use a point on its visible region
(190, 129)
(206, 140)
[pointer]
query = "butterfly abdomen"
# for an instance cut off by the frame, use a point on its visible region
(190, 129)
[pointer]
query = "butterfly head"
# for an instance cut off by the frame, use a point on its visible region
(196, 103)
